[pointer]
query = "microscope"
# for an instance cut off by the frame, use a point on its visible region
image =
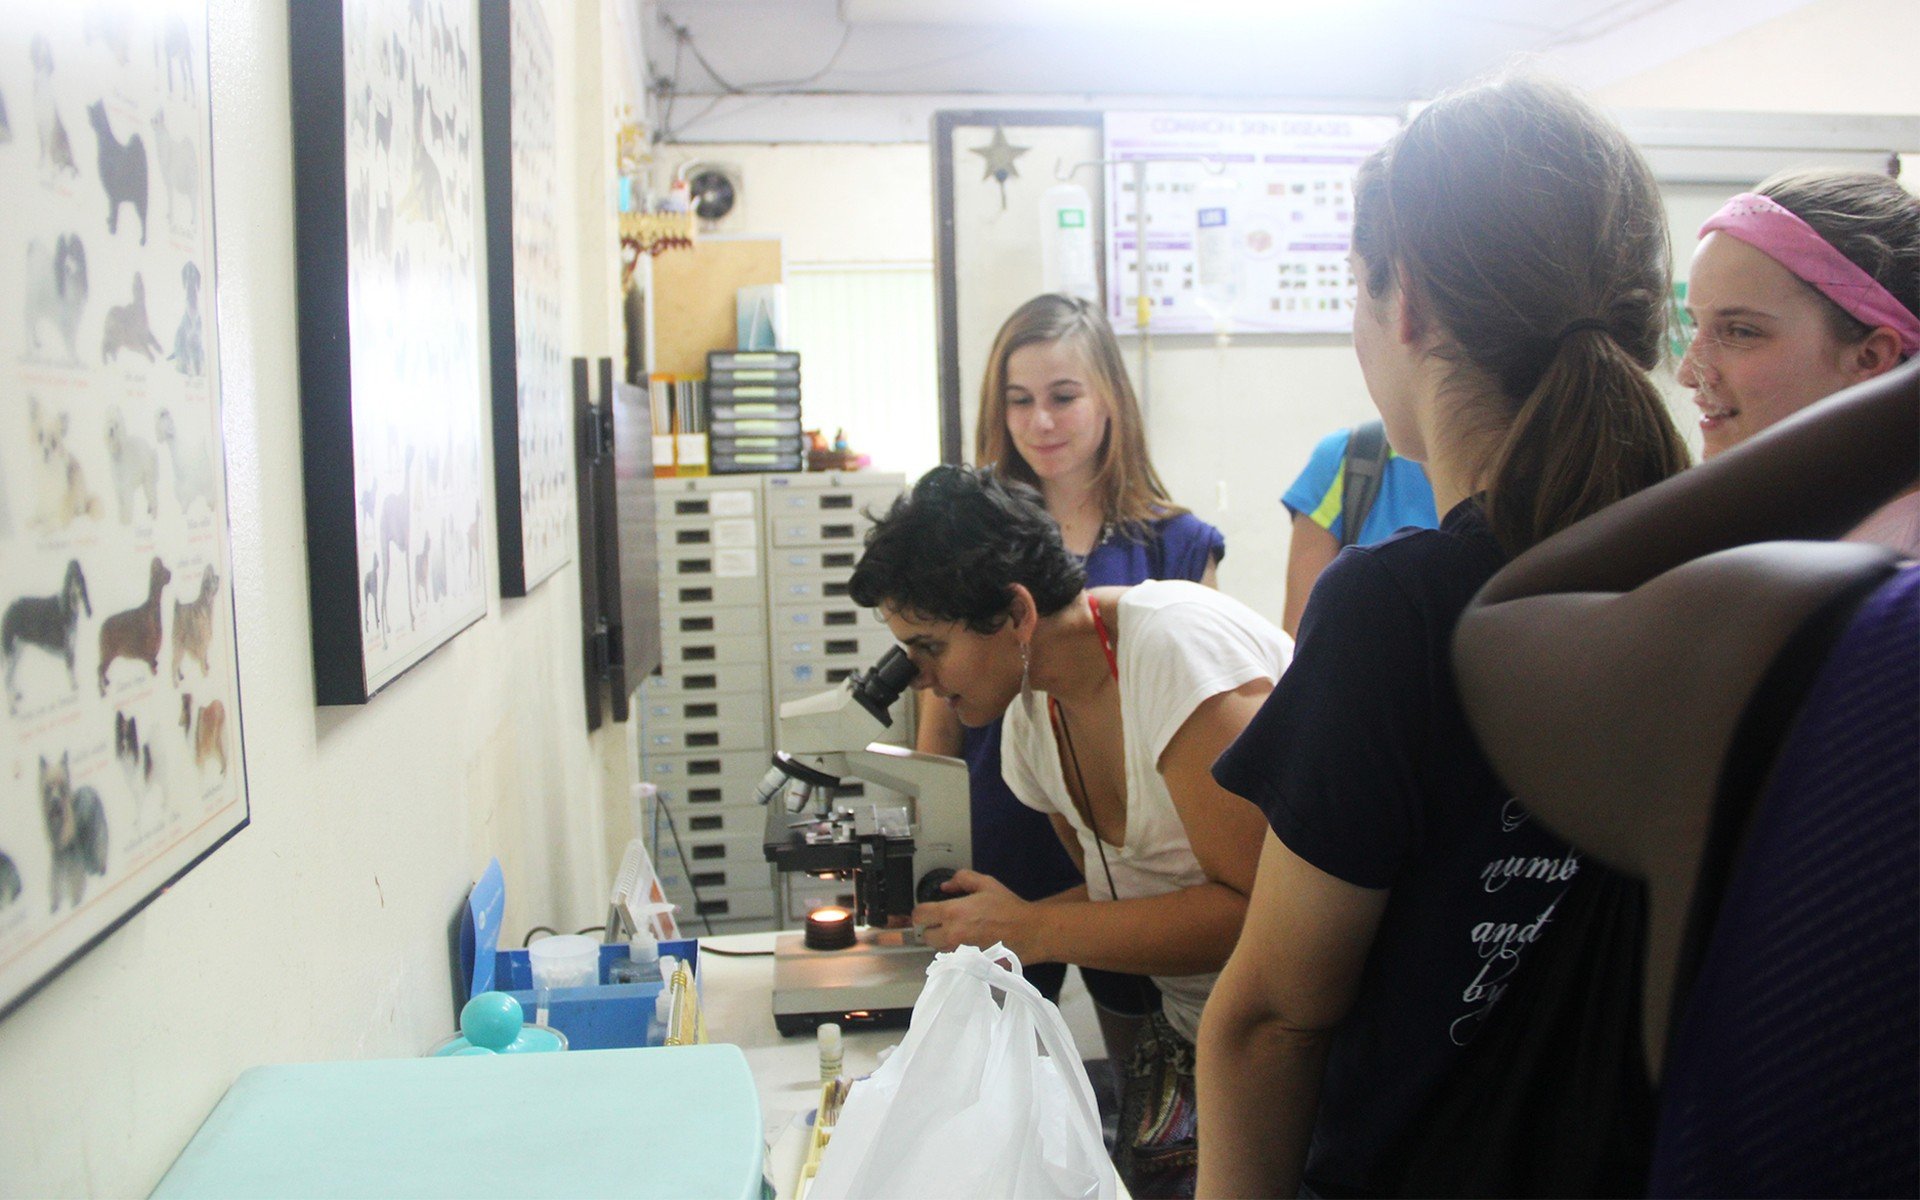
(863, 966)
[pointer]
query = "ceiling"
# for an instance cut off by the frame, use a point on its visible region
(1371, 50)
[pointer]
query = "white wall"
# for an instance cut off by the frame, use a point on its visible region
(827, 203)
(321, 930)
(1832, 56)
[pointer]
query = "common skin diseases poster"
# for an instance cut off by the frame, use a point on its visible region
(1249, 219)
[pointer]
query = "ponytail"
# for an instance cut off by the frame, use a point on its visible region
(1593, 430)
(1532, 233)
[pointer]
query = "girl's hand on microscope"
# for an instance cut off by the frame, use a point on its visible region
(981, 913)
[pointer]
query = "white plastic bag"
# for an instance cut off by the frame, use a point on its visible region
(969, 1105)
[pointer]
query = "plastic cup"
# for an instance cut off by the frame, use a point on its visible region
(562, 961)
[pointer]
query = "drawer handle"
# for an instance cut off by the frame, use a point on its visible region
(705, 823)
(843, 558)
(708, 852)
(694, 712)
(843, 645)
(696, 624)
(699, 683)
(698, 653)
(836, 531)
(692, 537)
(703, 741)
(704, 766)
(833, 591)
(839, 674)
(696, 595)
(696, 566)
(690, 508)
(836, 502)
(712, 908)
(850, 791)
(842, 618)
(703, 796)
(709, 879)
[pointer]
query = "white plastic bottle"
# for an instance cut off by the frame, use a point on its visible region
(643, 960)
(1216, 265)
(1066, 242)
(657, 1025)
(832, 1051)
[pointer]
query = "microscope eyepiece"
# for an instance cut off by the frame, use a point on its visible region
(878, 688)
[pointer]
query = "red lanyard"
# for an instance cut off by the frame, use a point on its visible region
(1100, 627)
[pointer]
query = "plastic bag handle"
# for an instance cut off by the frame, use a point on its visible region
(1047, 1021)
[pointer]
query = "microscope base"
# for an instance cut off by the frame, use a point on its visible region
(870, 984)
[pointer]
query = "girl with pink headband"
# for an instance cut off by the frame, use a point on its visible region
(1806, 286)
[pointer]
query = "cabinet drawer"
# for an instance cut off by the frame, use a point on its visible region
(832, 561)
(697, 650)
(699, 592)
(715, 736)
(682, 625)
(826, 618)
(705, 770)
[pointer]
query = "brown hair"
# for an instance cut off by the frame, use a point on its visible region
(1530, 231)
(1869, 218)
(1129, 488)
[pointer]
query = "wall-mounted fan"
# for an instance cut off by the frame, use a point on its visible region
(712, 190)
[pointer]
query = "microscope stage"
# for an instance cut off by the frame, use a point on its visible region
(873, 982)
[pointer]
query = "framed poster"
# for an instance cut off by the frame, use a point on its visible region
(532, 435)
(386, 181)
(120, 745)
(1249, 217)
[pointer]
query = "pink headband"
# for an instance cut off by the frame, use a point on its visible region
(1780, 235)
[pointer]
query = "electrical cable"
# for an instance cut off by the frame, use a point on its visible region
(683, 42)
(994, 42)
(736, 953)
(686, 864)
(528, 940)
(669, 90)
(684, 37)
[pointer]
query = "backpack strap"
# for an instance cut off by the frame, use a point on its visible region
(1363, 467)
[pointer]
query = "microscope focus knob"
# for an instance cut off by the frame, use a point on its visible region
(928, 891)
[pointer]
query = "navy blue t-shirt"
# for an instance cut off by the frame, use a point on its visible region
(1012, 842)
(1365, 766)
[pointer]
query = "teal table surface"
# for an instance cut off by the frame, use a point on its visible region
(663, 1122)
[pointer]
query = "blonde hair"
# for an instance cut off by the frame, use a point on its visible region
(1130, 490)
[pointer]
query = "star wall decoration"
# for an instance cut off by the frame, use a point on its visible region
(1000, 155)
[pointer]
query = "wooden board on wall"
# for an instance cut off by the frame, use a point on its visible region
(694, 297)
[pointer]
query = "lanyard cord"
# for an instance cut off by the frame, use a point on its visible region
(1084, 806)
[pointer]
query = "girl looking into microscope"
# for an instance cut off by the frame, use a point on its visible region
(1058, 413)
(1117, 701)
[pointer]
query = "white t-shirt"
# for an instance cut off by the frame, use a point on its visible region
(1178, 644)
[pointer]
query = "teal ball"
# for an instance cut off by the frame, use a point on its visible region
(492, 1020)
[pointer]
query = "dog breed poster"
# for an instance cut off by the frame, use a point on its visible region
(120, 737)
(533, 438)
(388, 218)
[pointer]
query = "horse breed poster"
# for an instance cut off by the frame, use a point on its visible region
(386, 193)
(120, 747)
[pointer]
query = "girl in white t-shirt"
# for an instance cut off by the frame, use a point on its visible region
(1116, 701)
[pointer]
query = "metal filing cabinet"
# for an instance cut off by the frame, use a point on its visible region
(705, 733)
(754, 612)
